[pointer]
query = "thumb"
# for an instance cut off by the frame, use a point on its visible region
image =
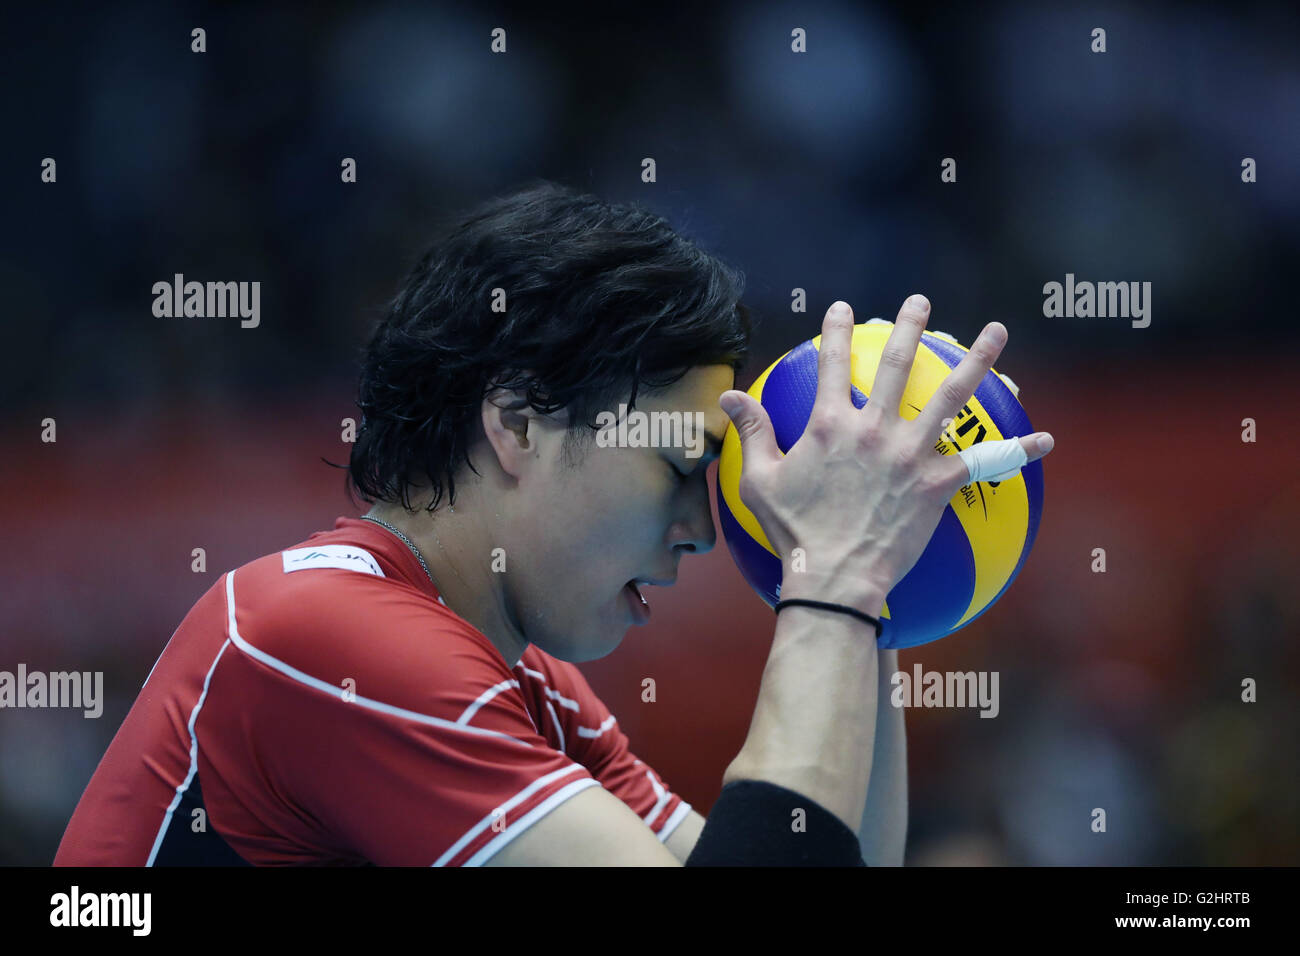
(753, 426)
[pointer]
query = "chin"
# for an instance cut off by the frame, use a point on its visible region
(583, 650)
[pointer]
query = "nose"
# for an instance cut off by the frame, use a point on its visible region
(696, 535)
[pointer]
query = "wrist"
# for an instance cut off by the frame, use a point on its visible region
(839, 589)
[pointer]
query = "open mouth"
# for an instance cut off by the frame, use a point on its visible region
(636, 601)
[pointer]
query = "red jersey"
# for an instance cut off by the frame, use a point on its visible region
(322, 705)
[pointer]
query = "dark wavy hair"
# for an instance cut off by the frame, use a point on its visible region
(601, 300)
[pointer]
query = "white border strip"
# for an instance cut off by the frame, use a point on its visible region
(528, 819)
(513, 830)
(160, 657)
(681, 813)
(194, 756)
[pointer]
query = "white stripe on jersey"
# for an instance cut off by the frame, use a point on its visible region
(663, 795)
(336, 692)
(483, 698)
(558, 728)
(553, 694)
(594, 732)
(513, 830)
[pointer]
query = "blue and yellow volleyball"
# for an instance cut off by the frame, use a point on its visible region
(987, 529)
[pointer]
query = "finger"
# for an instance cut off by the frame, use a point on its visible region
(1038, 444)
(753, 427)
(898, 355)
(1000, 460)
(833, 362)
(960, 384)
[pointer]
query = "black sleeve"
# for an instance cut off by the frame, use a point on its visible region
(752, 825)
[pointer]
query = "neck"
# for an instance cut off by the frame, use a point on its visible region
(458, 554)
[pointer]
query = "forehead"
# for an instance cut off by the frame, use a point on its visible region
(697, 391)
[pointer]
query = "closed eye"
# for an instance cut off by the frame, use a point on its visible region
(701, 468)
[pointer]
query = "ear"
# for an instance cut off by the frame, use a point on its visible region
(517, 433)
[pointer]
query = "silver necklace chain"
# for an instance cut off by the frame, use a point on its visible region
(409, 543)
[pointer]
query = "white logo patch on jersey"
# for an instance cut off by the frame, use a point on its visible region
(342, 556)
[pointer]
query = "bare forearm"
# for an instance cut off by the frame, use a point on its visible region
(883, 833)
(814, 725)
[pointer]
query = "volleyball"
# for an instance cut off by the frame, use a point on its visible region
(987, 529)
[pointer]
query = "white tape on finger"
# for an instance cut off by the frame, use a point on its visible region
(995, 460)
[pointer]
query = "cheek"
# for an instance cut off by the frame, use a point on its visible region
(620, 516)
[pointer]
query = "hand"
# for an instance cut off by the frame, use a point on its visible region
(862, 490)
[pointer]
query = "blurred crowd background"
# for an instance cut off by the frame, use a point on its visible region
(819, 171)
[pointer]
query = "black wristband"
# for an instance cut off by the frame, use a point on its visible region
(752, 824)
(827, 606)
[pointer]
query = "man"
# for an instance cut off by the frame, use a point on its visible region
(401, 689)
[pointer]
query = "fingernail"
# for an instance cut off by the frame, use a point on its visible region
(919, 302)
(730, 403)
(840, 308)
(1046, 443)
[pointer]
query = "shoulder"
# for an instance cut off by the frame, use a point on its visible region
(331, 624)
